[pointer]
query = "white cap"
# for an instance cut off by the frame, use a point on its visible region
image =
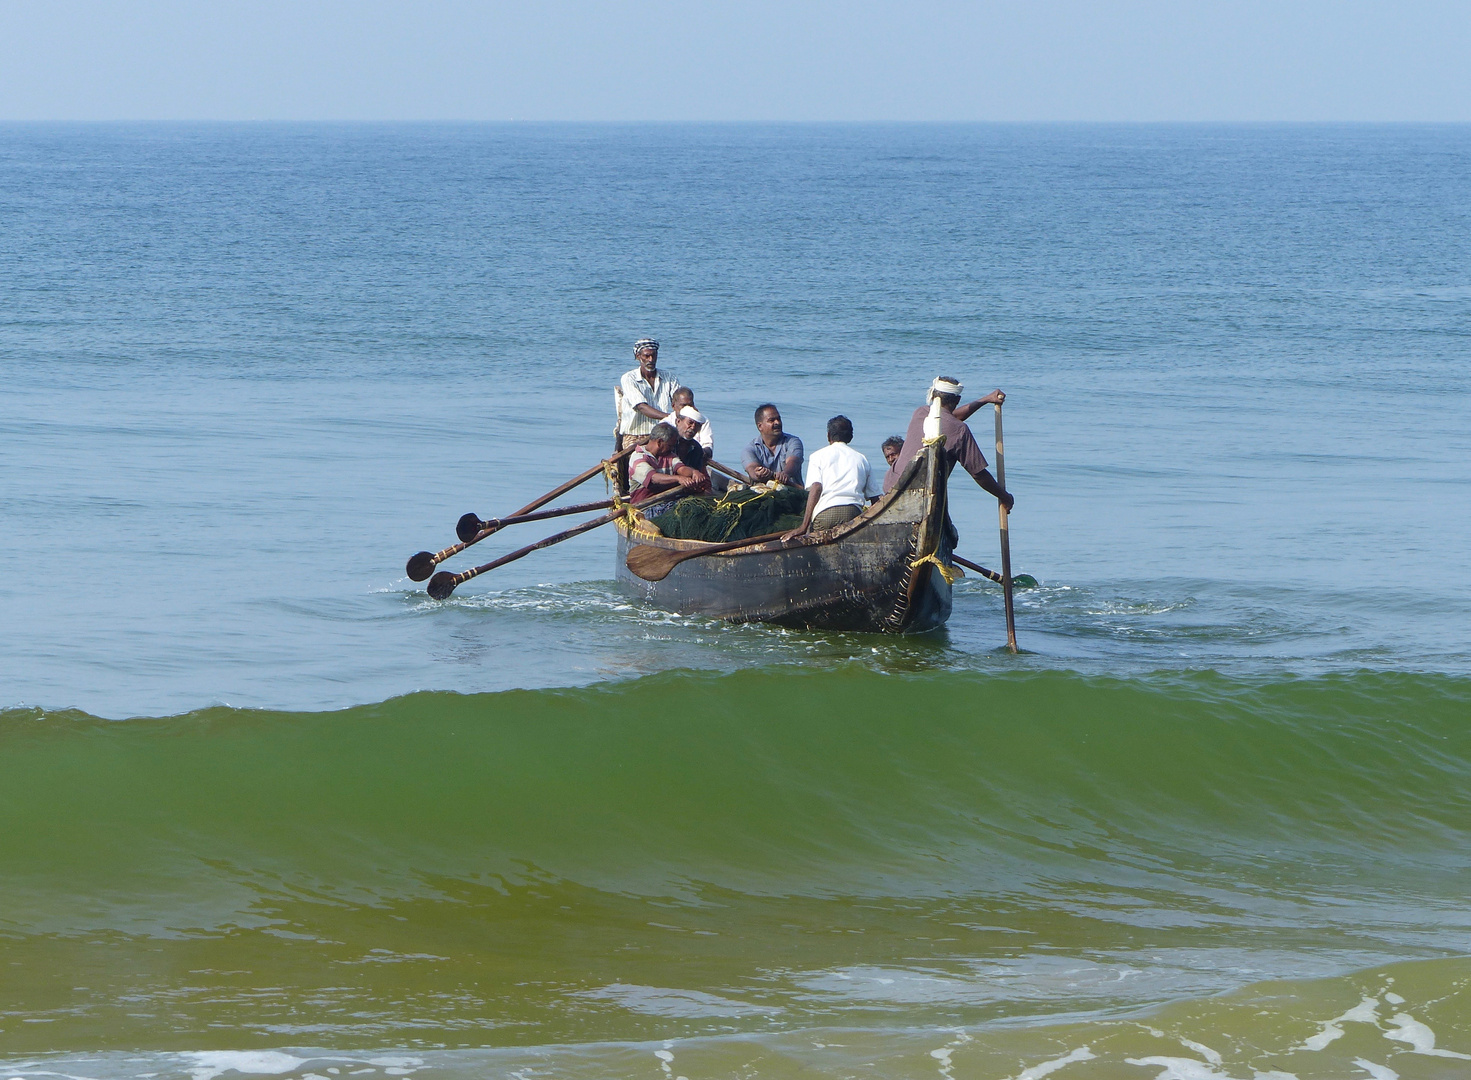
(689, 412)
(945, 386)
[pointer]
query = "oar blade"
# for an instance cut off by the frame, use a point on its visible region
(441, 585)
(652, 563)
(421, 565)
(467, 527)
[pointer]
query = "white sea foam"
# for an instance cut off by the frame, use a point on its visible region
(1419, 1036)
(1047, 1068)
(942, 1055)
(1365, 1012)
(1204, 1051)
(211, 1063)
(1377, 1072)
(1175, 1068)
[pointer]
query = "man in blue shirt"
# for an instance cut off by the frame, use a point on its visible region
(773, 454)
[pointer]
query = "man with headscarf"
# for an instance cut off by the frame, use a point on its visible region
(647, 394)
(960, 445)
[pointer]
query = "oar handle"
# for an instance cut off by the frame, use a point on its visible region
(991, 575)
(455, 580)
(442, 583)
(1005, 536)
(493, 525)
(731, 544)
(537, 504)
(728, 471)
(489, 527)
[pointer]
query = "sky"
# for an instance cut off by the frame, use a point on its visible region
(754, 60)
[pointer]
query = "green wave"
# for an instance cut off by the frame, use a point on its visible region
(779, 781)
(691, 854)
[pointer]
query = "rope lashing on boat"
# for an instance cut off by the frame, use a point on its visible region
(637, 524)
(951, 574)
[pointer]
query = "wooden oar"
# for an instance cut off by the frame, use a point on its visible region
(654, 563)
(467, 528)
(422, 563)
(728, 471)
(977, 567)
(1005, 539)
(444, 583)
(1021, 581)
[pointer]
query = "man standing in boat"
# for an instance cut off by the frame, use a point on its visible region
(772, 454)
(960, 445)
(646, 394)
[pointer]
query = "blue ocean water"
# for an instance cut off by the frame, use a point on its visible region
(248, 370)
(1218, 801)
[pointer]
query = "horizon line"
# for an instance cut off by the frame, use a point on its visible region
(742, 122)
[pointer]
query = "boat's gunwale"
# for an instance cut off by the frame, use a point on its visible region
(834, 535)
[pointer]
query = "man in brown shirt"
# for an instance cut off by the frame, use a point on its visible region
(960, 445)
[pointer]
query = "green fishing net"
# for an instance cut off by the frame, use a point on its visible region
(736, 515)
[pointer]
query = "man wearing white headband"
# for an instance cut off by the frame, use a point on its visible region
(646, 394)
(688, 422)
(684, 398)
(960, 445)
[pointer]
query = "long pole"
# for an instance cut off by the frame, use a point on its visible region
(1005, 539)
(990, 575)
(443, 583)
(422, 564)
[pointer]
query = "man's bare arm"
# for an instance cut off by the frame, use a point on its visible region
(988, 483)
(966, 411)
(813, 494)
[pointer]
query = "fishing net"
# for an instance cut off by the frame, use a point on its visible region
(736, 515)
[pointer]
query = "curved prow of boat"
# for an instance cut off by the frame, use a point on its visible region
(885, 571)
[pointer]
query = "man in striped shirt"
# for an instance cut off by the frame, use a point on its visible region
(647, 394)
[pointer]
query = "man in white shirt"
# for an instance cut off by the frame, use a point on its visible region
(839, 481)
(647, 394)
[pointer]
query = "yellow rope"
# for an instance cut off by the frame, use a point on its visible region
(637, 523)
(951, 574)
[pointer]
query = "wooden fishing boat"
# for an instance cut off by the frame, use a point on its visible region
(886, 571)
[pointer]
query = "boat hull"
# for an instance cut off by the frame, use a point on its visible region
(867, 575)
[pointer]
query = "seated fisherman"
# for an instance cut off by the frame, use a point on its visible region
(772, 454)
(653, 469)
(839, 481)
(687, 424)
(891, 447)
(960, 444)
(684, 398)
(647, 394)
